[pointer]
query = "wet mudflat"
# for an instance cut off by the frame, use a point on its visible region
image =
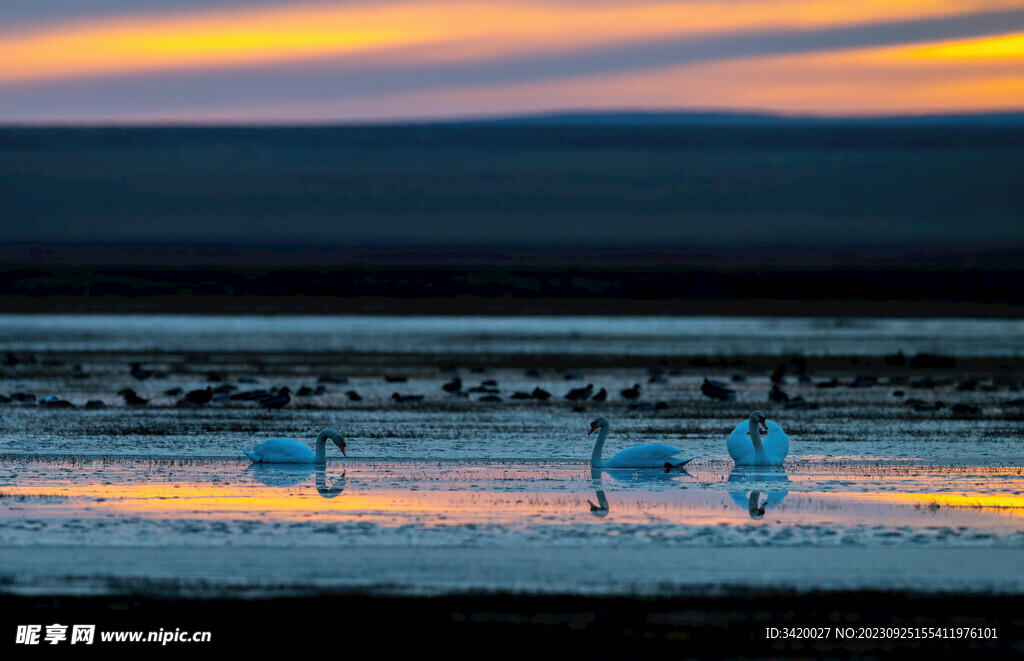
(904, 474)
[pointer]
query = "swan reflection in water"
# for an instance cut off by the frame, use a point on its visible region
(289, 475)
(646, 476)
(601, 509)
(742, 476)
(643, 476)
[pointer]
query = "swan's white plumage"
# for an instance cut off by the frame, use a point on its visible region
(653, 455)
(775, 446)
(290, 451)
(281, 451)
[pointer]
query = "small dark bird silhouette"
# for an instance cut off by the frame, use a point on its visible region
(601, 395)
(716, 390)
(140, 373)
(277, 400)
(541, 394)
(54, 402)
(577, 394)
(200, 397)
(967, 410)
(631, 393)
(304, 391)
(406, 398)
(131, 399)
(453, 386)
(250, 395)
(353, 396)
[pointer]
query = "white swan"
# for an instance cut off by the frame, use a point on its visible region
(289, 451)
(653, 455)
(753, 450)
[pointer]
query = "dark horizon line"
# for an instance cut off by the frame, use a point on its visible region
(961, 246)
(199, 253)
(628, 118)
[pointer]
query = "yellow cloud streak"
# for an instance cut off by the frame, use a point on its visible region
(1011, 46)
(438, 31)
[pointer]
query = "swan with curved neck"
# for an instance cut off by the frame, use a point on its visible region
(754, 507)
(290, 451)
(747, 447)
(652, 455)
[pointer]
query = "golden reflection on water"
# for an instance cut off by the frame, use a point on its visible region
(496, 496)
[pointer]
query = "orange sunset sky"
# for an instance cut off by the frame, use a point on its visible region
(272, 61)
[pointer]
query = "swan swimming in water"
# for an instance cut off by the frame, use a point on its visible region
(753, 450)
(289, 451)
(652, 455)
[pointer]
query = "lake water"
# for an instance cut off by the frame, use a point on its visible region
(452, 494)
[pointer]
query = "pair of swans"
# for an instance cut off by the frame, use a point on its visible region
(745, 451)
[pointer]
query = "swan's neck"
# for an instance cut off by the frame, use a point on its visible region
(755, 434)
(323, 489)
(595, 458)
(754, 507)
(321, 447)
(752, 503)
